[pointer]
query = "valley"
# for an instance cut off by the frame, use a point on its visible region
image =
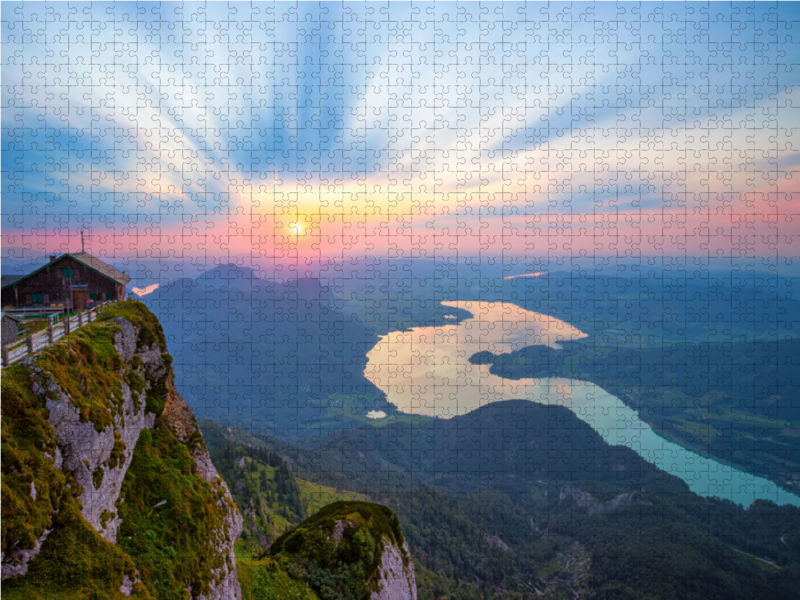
(531, 524)
(500, 497)
(291, 358)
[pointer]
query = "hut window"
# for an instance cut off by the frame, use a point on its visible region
(37, 298)
(68, 272)
(109, 295)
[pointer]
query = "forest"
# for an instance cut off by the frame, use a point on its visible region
(530, 527)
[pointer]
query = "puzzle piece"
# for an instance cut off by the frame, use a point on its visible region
(532, 256)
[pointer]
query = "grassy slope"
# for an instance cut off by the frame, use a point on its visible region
(271, 499)
(265, 579)
(171, 543)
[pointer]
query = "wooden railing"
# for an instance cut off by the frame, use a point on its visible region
(57, 328)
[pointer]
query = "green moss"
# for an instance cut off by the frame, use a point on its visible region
(26, 438)
(86, 366)
(380, 519)
(138, 315)
(171, 544)
(265, 580)
(31, 326)
(136, 383)
(104, 517)
(75, 563)
(156, 397)
(97, 477)
(343, 570)
(117, 452)
(195, 441)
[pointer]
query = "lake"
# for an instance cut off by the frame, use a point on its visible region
(426, 371)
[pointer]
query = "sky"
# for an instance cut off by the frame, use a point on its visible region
(337, 130)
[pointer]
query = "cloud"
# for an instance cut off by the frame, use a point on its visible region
(175, 118)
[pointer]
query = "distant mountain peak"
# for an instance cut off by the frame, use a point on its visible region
(230, 271)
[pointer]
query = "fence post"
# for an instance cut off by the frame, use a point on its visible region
(80, 318)
(6, 360)
(50, 336)
(66, 325)
(89, 315)
(30, 344)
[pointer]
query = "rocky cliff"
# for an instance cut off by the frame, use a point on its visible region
(395, 578)
(593, 506)
(108, 489)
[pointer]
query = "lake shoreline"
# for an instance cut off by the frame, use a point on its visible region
(426, 370)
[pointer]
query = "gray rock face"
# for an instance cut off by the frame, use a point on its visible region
(226, 581)
(594, 506)
(16, 561)
(225, 585)
(396, 579)
(495, 542)
(125, 340)
(127, 585)
(87, 453)
(99, 460)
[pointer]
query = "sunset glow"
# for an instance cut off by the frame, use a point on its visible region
(596, 144)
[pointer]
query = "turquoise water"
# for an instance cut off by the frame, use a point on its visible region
(426, 371)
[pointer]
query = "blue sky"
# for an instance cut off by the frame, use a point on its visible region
(309, 128)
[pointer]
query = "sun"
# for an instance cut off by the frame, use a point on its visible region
(297, 229)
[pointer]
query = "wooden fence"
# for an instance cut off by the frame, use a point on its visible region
(15, 351)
